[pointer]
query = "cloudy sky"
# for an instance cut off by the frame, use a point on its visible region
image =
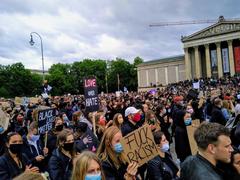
(76, 29)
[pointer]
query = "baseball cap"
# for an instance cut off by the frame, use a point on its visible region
(131, 110)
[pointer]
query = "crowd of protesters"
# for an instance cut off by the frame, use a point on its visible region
(86, 145)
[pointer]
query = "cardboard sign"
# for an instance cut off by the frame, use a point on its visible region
(215, 93)
(91, 94)
(45, 120)
(4, 120)
(33, 100)
(18, 100)
(190, 131)
(139, 146)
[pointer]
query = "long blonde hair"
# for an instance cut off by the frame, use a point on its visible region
(105, 151)
(82, 163)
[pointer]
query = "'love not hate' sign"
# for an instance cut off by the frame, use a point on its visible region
(91, 94)
(139, 146)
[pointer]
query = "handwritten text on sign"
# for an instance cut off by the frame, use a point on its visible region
(91, 94)
(45, 120)
(139, 146)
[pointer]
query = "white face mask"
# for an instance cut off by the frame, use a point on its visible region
(164, 111)
(165, 147)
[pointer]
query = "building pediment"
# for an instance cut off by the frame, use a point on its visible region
(214, 30)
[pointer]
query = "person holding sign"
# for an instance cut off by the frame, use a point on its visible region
(34, 148)
(113, 163)
(14, 162)
(162, 166)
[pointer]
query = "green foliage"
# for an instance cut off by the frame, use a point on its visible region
(15, 80)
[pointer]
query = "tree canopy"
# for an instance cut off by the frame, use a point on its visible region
(15, 80)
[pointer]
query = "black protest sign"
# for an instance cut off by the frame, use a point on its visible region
(91, 94)
(45, 120)
(139, 146)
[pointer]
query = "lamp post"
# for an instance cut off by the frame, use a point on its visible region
(32, 43)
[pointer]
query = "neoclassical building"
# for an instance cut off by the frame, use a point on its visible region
(211, 52)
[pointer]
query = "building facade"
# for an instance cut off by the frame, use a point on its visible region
(211, 52)
(161, 72)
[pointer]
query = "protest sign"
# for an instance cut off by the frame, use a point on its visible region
(118, 93)
(215, 93)
(190, 131)
(139, 146)
(18, 100)
(196, 85)
(4, 120)
(33, 100)
(91, 94)
(45, 120)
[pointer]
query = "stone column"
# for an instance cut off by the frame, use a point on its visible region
(187, 65)
(156, 76)
(197, 62)
(208, 62)
(231, 58)
(147, 80)
(219, 60)
(139, 80)
(166, 75)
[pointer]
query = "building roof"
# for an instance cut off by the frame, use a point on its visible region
(163, 60)
(221, 27)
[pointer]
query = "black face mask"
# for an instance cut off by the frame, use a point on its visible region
(59, 127)
(16, 148)
(68, 146)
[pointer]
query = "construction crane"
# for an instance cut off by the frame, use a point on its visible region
(220, 19)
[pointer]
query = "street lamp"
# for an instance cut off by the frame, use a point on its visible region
(32, 43)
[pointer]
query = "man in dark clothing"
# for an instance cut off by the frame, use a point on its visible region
(214, 145)
(217, 115)
(132, 116)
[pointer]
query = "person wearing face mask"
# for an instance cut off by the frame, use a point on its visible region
(162, 166)
(152, 121)
(182, 146)
(87, 167)
(118, 120)
(14, 162)
(17, 125)
(52, 134)
(109, 152)
(34, 148)
(65, 119)
(101, 124)
(60, 163)
(132, 116)
(165, 121)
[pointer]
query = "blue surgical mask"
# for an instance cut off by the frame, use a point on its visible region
(93, 176)
(118, 148)
(65, 118)
(34, 138)
(188, 121)
(1, 130)
(165, 147)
